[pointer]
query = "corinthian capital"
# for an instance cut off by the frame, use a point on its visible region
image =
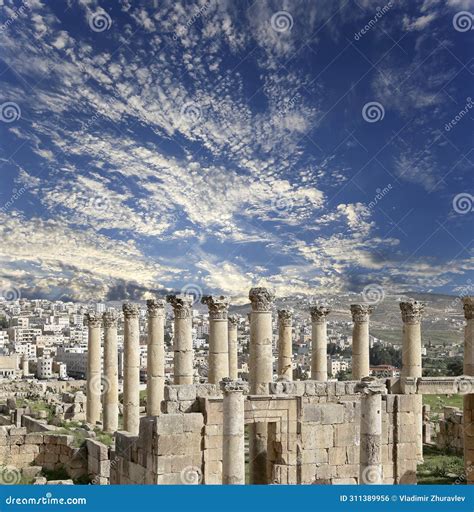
(110, 319)
(361, 312)
(92, 319)
(155, 307)
(218, 306)
(412, 311)
(182, 305)
(319, 313)
(285, 317)
(233, 320)
(228, 385)
(261, 299)
(468, 306)
(130, 310)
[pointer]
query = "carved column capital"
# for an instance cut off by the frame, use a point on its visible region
(319, 313)
(371, 386)
(261, 299)
(218, 306)
(412, 311)
(285, 317)
(233, 320)
(361, 312)
(182, 305)
(468, 306)
(92, 319)
(130, 310)
(155, 307)
(228, 385)
(109, 319)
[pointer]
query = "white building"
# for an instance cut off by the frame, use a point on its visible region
(44, 368)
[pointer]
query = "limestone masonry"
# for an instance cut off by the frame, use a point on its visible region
(316, 431)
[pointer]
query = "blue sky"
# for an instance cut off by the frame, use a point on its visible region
(313, 147)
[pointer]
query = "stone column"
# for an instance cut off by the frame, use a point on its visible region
(468, 400)
(426, 424)
(233, 347)
(233, 447)
(218, 361)
(155, 384)
(131, 369)
(183, 338)
(285, 344)
(412, 312)
(319, 341)
(94, 385)
(261, 334)
(260, 376)
(371, 467)
(360, 340)
(110, 391)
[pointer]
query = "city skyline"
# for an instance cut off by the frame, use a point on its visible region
(219, 146)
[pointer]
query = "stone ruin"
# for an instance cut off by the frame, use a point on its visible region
(316, 431)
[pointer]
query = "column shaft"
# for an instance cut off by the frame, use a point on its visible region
(285, 344)
(233, 347)
(412, 312)
(155, 384)
(360, 341)
(233, 447)
(218, 363)
(319, 350)
(94, 384)
(260, 376)
(110, 393)
(131, 369)
(183, 338)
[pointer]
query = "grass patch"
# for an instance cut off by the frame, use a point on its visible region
(438, 402)
(440, 468)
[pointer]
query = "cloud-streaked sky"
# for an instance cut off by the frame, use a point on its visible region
(313, 147)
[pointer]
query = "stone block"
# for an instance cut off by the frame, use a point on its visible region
(186, 392)
(332, 413)
(170, 424)
(321, 436)
(346, 434)
(171, 393)
(337, 455)
(344, 481)
(34, 438)
(316, 456)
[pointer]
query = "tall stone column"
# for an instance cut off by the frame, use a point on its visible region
(285, 344)
(183, 338)
(218, 337)
(360, 340)
(155, 384)
(233, 447)
(25, 365)
(94, 384)
(233, 321)
(319, 341)
(110, 392)
(468, 400)
(131, 369)
(371, 467)
(412, 312)
(260, 376)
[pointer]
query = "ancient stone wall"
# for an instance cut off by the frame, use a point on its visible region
(313, 432)
(450, 436)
